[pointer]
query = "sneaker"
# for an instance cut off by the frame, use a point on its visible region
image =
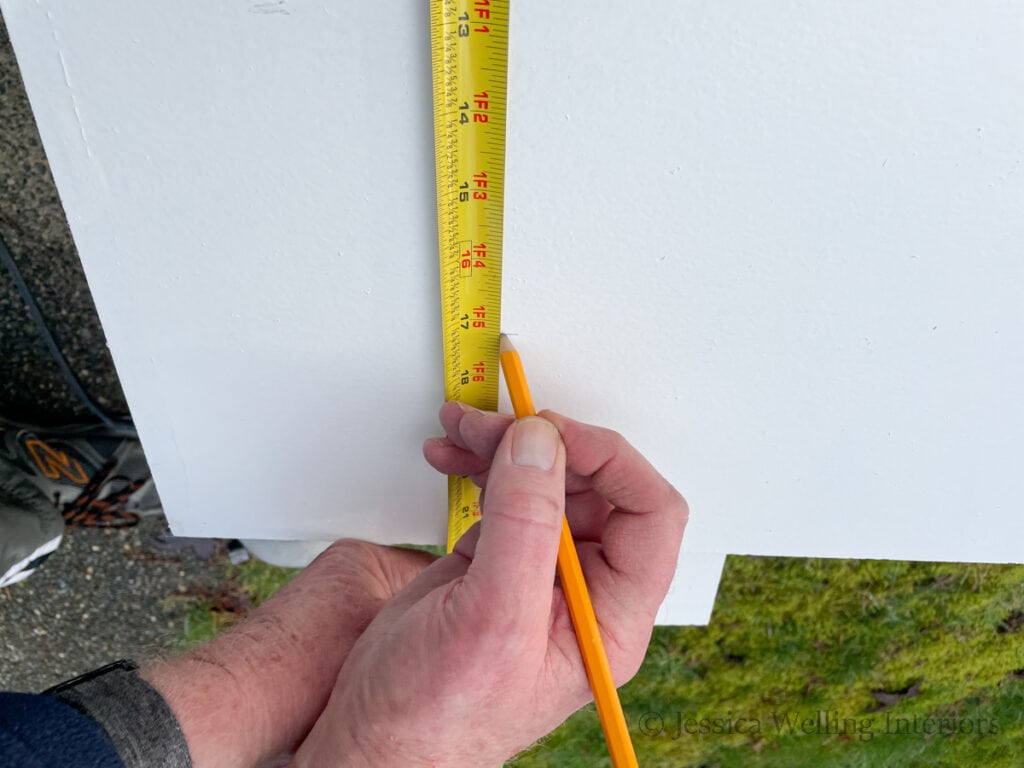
(30, 529)
(82, 477)
(92, 477)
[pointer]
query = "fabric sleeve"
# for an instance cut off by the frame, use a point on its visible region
(136, 718)
(39, 731)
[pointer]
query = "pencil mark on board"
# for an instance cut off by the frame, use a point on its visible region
(276, 6)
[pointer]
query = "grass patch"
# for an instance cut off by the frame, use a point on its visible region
(259, 580)
(838, 662)
(208, 613)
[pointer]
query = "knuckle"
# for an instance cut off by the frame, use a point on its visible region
(525, 505)
(613, 440)
(617, 439)
(483, 614)
(626, 647)
(678, 504)
(346, 549)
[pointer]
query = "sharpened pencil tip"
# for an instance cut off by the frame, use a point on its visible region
(505, 344)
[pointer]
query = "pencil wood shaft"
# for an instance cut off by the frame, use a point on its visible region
(577, 597)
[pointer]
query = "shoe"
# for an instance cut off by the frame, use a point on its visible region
(86, 476)
(93, 477)
(30, 529)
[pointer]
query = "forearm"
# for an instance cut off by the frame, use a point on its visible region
(256, 691)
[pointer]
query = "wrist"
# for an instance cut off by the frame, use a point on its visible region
(336, 746)
(212, 710)
(251, 694)
(346, 740)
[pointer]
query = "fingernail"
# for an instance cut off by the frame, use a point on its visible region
(534, 444)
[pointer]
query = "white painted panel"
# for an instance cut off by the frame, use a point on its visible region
(780, 245)
(691, 598)
(776, 245)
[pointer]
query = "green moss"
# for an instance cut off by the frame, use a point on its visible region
(247, 585)
(200, 623)
(873, 644)
(259, 580)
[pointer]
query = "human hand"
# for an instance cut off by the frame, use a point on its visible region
(255, 692)
(477, 657)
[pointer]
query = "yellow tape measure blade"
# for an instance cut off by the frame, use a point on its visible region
(469, 49)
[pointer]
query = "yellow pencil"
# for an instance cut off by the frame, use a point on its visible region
(599, 673)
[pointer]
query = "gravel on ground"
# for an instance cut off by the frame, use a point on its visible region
(105, 594)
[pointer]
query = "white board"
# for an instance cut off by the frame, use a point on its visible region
(777, 246)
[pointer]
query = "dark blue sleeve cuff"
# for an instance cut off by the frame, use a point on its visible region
(38, 731)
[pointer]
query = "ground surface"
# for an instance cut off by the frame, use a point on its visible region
(104, 594)
(33, 225)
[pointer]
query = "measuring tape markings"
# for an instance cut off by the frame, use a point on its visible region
(469, 51)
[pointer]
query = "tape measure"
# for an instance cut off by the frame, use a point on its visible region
(469, 50)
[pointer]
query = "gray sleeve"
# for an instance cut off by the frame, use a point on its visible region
(138, 721)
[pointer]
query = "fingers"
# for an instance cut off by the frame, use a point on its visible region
(449, 459)
(615, 497)
(513, 565)
(645, 519)
(475, 430)
(472, 436)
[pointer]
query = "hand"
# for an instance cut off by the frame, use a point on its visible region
(254, 692)
(477, 657)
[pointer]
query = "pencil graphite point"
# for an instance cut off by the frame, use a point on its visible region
(505, 344)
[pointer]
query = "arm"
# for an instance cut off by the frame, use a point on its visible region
(255, 692)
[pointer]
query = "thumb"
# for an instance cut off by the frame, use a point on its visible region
(513, 566)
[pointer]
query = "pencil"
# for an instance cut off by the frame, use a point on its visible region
(595, 661)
